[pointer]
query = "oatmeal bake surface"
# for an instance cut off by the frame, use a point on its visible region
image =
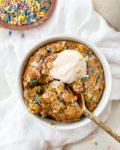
(53, 99)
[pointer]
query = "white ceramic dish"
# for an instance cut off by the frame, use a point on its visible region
(104, 99)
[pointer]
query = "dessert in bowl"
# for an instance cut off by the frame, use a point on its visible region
(54, 74)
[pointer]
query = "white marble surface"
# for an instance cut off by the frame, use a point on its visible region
(102, 139)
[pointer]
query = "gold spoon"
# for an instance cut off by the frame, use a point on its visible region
(97, 121)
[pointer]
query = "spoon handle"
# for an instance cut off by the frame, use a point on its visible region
(100, 123)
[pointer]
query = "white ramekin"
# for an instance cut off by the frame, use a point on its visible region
(104, 99)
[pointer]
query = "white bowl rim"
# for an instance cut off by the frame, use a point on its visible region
(107, 74)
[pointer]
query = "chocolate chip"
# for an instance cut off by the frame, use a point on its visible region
(49, 50)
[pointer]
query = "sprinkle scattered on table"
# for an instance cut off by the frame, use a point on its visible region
(91, 136)
(23, 35)
(23, 12)
(94, 142)
(10, 33)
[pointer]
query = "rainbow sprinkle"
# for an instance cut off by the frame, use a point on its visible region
(93, 142)
(23, 12)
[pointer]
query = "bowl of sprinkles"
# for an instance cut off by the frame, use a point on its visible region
(52, 76)
(25, 14)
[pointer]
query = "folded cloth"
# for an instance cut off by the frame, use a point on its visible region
(17, 130)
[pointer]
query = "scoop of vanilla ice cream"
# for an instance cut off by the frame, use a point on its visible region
(69, 66)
